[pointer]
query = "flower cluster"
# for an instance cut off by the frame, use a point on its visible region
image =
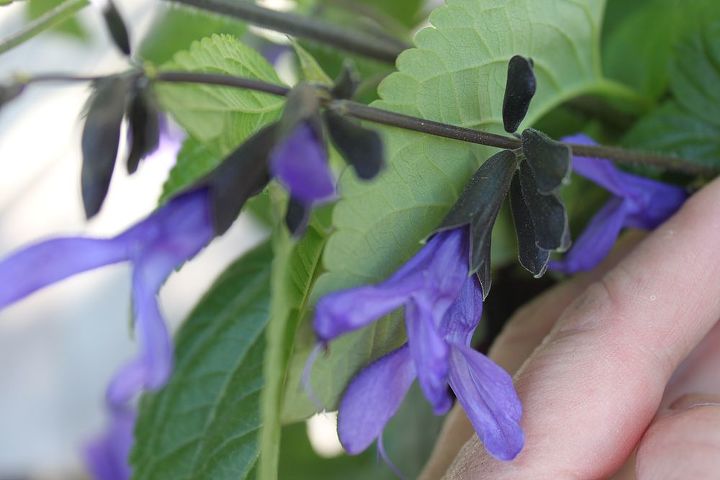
(443, 305)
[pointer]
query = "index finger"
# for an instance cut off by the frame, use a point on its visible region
(590, 390)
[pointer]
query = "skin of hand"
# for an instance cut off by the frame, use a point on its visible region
(618, 369)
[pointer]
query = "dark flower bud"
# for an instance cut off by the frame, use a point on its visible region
(297, 216)
(519, 90)
(100, 139)
(302, 106)
(116, 27)
(360, 147)
(241, 175)
(547, 212)
(479, 205)
(144, 125)
(531, 256)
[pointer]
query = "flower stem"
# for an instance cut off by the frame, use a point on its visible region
(407, 122)
(383, 49)
(48, 19)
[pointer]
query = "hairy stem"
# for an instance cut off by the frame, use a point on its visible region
(408, 122)
(382, 49)
(48, 19)
(385, 117)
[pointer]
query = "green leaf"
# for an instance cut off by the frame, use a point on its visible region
(689, 124)
(404, 11)
(220, 116)
(295, 268)
(51, 18)
(194, 160)
(640, 37)
(176, 27)
(379, 225)
(205, 422)
(71, 27)
(311, 70)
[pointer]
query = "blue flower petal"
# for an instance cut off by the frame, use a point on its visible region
(48, 262)
(372, 398)
(430, 354)
(463, 316)
(596, 241)
(346, 311)
(598, 170)
(652, 203)
(488, 396)
(435, 274)
(300, 163)
(107, 457)
(637, 202)
(151, 369)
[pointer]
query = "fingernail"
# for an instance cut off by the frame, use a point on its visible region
(694, 400)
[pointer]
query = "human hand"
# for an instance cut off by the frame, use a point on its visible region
(618, 369)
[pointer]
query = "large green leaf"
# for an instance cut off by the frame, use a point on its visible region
(205, 422)
(220, 116)
(688, 125)
(640, 36)
(455, 75)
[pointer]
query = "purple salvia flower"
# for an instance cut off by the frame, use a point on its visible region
(107, 456)
(442, 308)
(300, 163)
(426, 286)
(636, 202)
(155, 247)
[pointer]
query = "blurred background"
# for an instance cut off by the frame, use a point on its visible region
(59, 347)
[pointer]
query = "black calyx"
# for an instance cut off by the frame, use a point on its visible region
(297, 216)
(519, 91)
(144, 124)
(100, 139)
(241, 175)
(346, 83)
(116, 27)
(302, 106)
(547, 212)
(478, 207)
(549, 160)
(531, 256)
(360, 147)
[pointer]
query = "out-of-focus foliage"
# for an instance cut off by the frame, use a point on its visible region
(688, 124)
(640, 35)
(176, 27)
(71, 27)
